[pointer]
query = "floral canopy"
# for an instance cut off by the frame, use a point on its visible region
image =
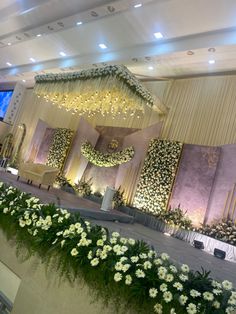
(108, 90)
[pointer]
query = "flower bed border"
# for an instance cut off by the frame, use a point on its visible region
(118, 269)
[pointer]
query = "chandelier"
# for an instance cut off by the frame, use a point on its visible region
(108, 90)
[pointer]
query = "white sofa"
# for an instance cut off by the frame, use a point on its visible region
(37, 173)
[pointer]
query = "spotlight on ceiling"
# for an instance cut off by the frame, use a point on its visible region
(9, 64)
(138, 5)
(102, 46)
(158, 35)
(150, 68)
(79, 23)
(23, 81)
(38, 35)
(32, 60)
(63, 54)
(9, 44)
(211, 61)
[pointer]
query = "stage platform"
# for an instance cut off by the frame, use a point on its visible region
(179, 251)
(74, 203)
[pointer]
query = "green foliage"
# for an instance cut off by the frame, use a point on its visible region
(62, 181)
(83, 187)
(224, 230)
(176, 217)
(123, 272)
(118, 198)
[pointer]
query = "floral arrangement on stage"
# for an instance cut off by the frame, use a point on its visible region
(83, 187)
(89, 86)
(118, 198)
(116, 268)
(106, 159)
(157, 176)
(176, 217)
(60, 146)
(224, 231)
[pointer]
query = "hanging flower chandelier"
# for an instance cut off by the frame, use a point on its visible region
(108, 90)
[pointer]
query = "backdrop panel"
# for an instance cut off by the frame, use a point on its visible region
(45, 146)
(193, 183)
(128, 173)
(222, 202)
(76, 163)
(36, 140)
(103, 177)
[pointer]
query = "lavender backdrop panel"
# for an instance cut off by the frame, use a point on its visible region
(36, 140)
(103, 177)
(194, 180)
(223, 197)
(76, 163)
(45, 146)
(128, 173)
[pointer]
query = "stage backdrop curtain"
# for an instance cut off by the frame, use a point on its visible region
(201, 110)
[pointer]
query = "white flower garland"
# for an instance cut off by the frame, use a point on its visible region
(105, 159)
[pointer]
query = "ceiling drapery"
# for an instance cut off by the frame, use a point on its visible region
(109, 90)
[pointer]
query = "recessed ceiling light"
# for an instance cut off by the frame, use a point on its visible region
(32, 60)
(158, 35)
(102, 46)
(211, 61)
(63, 54)
(23, 81)
(138, 5)
(9, 64)
(79, 23)
(150, 68)
(38, 35)
(9, 44)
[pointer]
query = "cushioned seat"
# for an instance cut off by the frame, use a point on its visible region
(37, 173)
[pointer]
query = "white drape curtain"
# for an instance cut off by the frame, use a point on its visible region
(201, 110)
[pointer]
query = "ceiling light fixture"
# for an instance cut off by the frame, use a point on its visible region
(150, 68)
(32, 60)
(38, 35)
(9, 64)
(138, 5)
(23, 81)
(102, 46)
(158, 35)
(211, 61)
(63, 54)
(9, 44)
(79, 23)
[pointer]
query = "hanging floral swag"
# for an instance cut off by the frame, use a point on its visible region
(126, 272)
(106, 159)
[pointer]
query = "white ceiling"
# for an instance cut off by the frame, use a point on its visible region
(187, 25)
